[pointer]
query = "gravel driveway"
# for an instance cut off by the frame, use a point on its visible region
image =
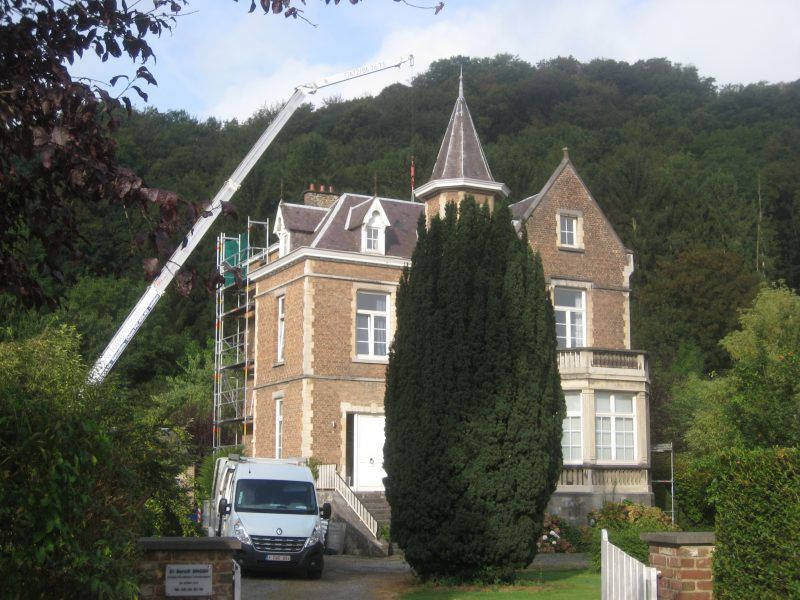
(344, 578)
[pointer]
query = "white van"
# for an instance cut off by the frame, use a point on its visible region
(270, 506)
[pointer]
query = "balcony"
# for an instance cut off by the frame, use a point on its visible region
(627, 364)
(604, 477)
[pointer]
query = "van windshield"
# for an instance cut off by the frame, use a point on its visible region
(275, 496)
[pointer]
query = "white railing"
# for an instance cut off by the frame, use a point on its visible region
(623, 577)
(329, 479)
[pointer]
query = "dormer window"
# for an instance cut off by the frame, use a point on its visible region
(373, 230)
(283, 235)
(372, 239)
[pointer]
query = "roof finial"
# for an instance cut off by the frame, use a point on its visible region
(565, 150)
(461, 81)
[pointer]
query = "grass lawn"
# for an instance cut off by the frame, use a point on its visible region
(552, 584)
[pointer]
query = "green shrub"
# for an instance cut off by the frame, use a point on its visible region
(758, 525)
(624, 522)
(80, 477)
(694, 476)
(558, 536)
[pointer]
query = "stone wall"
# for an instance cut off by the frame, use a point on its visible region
(683, 560)
(157, 553)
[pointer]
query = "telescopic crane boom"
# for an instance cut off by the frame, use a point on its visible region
(153, 294)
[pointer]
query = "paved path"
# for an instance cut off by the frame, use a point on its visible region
(344, 578)
(361, 578)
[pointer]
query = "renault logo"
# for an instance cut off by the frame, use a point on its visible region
(279, 531)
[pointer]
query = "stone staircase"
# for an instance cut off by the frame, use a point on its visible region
(376, 504)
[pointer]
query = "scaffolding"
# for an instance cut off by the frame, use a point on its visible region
(663, 449)
(234, 333)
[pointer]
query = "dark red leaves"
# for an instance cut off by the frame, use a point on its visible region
(151, 268)
(143, 73)
(184, 281)
(229, 209)
(213, 282)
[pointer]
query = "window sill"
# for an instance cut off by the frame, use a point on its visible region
(577, 249)
(278, 363)
(375, 360)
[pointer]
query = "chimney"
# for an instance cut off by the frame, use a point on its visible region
(321, 198)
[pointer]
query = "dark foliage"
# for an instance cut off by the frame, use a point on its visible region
(81, 476)
(758, 525)
(473, 401)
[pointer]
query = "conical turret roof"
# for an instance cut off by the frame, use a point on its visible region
(461, 154)
(461, 161)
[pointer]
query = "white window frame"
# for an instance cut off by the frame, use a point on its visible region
(569, 420)
(614, 419)
(371, 316)
(570, 313)
(278, 427)
(373, 229)
(283, 235)
(576, 218)
(281, 334)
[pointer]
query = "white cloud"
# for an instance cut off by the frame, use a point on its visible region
(223, 62)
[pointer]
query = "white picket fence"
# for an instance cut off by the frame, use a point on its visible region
(623, 577)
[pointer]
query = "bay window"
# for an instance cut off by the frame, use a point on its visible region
(614, 426)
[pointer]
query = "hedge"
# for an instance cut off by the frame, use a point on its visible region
(758, 525)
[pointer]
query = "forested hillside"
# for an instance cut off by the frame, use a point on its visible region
(702, 183)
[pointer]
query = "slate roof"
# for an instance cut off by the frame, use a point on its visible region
(339, 227)
(461, 154)
(518, 209)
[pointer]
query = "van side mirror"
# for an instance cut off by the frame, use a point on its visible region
(325, 512)
(224, 507)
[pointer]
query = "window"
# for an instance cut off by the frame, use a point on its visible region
(281, 326)
(571, 440)
(568, 230)
(278, 427)
(372, 239)
(373, 233)
(283, 243)
(570, 321)
(372, 324)
(569, 226)
(282, 232)
(614, 426)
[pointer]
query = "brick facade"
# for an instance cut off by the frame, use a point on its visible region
(324, 384)
(683, 561)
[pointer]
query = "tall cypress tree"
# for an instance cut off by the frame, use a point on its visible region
(473, 399)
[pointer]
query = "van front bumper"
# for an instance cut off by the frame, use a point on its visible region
(308, 559)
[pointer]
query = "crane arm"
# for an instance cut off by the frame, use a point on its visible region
(156, 289)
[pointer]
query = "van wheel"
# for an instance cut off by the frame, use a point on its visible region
(314, 574)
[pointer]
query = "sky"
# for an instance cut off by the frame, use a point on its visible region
(222, 62)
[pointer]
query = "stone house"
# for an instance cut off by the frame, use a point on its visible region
(323, 318)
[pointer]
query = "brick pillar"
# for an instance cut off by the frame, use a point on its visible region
(683, 560)
(157, 553)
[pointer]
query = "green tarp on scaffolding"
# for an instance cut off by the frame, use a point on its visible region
(235, 254)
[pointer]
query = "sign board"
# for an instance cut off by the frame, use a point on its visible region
(188, 580)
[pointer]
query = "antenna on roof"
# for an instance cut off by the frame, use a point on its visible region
(375, 183)
(281, 196)
(461, 81)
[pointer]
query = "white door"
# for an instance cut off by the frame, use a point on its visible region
(368, 453)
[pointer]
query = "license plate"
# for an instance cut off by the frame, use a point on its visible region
(281, 557)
